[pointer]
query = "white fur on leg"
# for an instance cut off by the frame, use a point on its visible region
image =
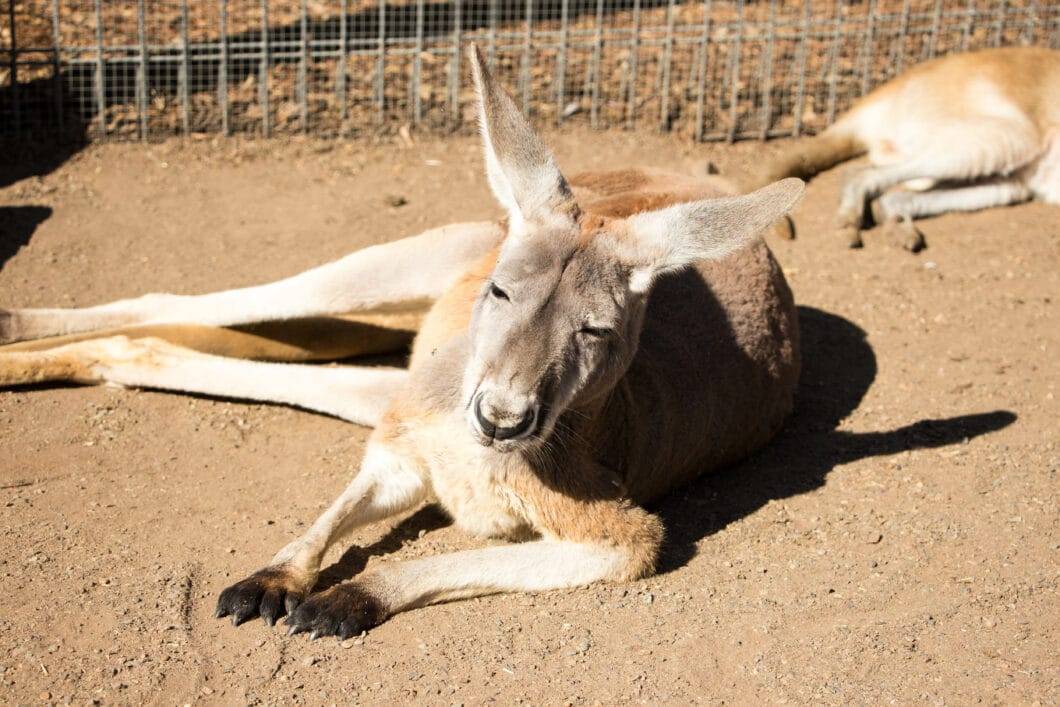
(410, 270)
(386, 484)
(996, 192)
(356, 393)
(531, 566)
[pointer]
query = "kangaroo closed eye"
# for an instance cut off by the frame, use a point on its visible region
(498, 293)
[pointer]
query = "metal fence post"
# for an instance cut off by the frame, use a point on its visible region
(263, 71)
(702, 73)
(800, 69)
(222, 72)
(524, 64)
(767, 87)
(380, 80)
(598, 46)
(633, 57)
(185, 72)
(142, 91)
(561, 61)
(664, 68)
(866, 73)
(100, 76)
(303, 68)
(13, 68)
(734, 63)
(454, 68)
(58, 69)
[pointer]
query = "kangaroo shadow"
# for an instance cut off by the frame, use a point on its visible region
(17, 224)
(355, 558)
(838, 368)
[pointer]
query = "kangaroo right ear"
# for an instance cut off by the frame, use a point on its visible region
(521, 170)
(679, 235)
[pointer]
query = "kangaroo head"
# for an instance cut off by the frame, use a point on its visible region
(557, 323)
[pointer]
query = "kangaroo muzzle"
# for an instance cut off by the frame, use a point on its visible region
(497, 422)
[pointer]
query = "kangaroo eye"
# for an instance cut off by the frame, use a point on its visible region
(499, 293)
(595, 332)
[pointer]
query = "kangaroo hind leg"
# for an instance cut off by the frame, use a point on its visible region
(354, 393)
(410, 271)
(896, 210)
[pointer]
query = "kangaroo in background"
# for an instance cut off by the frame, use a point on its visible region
(618, 335)
(974, 130)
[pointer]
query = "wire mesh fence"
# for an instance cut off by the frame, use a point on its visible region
(711, 69)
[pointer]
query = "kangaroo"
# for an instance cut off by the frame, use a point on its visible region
(975, 130)
(615, 336)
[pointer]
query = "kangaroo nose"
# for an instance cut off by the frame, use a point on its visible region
(491, 429)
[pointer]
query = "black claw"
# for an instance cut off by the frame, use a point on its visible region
(242, 616)
(342, 611)
(271, 607)
(264, 593)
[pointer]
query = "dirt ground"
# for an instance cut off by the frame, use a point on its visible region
(897, 543)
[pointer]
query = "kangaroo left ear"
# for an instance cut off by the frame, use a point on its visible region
(521, 170)
(679, 235)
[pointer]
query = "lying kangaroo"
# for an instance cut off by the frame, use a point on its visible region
(619, 335)
(978, 130)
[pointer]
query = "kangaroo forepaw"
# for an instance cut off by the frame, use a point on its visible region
(344, 611)
(269, 593)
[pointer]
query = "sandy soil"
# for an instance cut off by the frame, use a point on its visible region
(898, 541)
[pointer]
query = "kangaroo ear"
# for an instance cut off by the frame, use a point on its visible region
(521, 170)
(677, 236)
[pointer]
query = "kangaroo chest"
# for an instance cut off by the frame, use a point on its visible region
(467, 480)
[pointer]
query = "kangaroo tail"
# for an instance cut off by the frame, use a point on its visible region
(806, 158)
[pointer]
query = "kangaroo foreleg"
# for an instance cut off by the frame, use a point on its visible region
(403, 272)
(386, 484)
(584, 540)
(359, 604)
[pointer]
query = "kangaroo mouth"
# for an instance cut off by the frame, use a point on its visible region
(529, 431)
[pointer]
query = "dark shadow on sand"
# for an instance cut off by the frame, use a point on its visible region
(17, 224)
(839, 366)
